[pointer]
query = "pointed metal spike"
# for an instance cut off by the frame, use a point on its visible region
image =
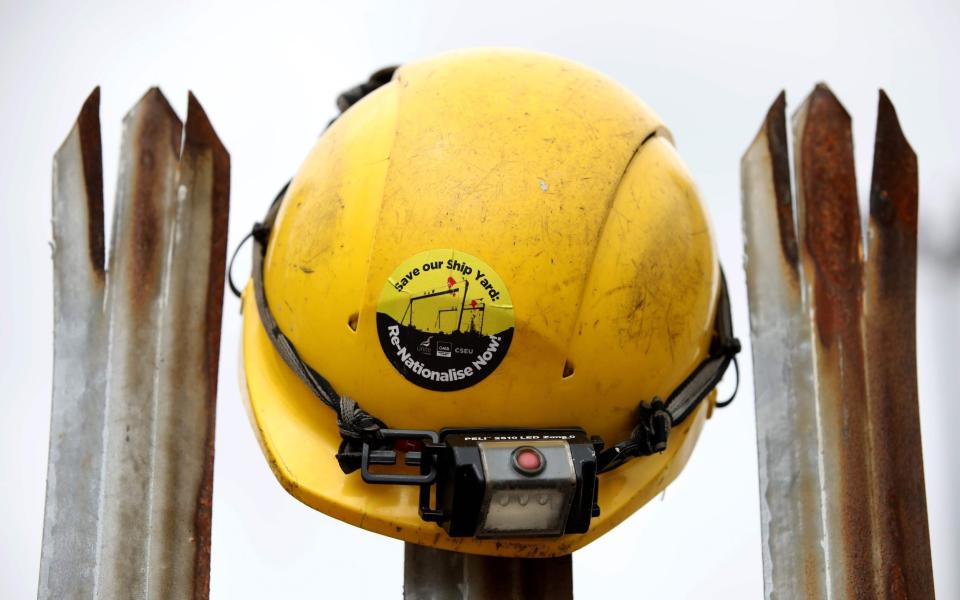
(201, 139)
(88, 123)
(794, 561)
(204, 154)
(893, 194)
(828, 213)
(186, 378)
(775, 128)
(144, 215)
(832, 265)
(902, 534)
(68, 555)
(199, 130)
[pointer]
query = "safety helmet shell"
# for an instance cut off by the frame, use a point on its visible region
(563, 183)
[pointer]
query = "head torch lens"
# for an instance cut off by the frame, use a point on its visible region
(528, 487)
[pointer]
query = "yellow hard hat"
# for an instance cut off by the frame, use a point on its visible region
(495, 268)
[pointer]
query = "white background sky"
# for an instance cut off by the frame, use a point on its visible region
(268, 74)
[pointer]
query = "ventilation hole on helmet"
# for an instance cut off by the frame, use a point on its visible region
(352, 321)
(567, 369)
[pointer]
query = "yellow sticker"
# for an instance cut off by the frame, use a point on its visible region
(445, 319)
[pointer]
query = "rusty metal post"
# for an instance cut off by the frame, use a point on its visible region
(432, 574)
(787, 434)
(130, 474)
(841, 470)
(890, 310)
(831, 258)
(68, 558)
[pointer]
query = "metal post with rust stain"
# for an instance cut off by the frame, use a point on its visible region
(841, 469)
(831, 259)
(136, 351)
(432, 574)
(890, 309)
(787, 434)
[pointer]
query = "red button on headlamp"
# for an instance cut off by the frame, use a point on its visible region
(528, 460)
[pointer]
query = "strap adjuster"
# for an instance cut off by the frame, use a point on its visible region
(388, 456)
(725, 346)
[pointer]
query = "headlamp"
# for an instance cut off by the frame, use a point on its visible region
(490, 483)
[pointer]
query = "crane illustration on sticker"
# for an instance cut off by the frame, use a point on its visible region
(445, 319)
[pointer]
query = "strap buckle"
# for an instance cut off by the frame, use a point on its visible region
(388, 456)
(359, 455)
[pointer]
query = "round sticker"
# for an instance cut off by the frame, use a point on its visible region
(445, 319)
